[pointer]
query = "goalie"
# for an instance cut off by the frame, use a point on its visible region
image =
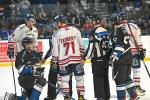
(31, 81)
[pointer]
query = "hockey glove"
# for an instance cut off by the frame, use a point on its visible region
(116, 55)
(40, 81)
(37, 88)
(142, 54)
(39, 71)
(26, 70)
(10, 52)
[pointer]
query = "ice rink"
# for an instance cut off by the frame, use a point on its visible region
(6, 83)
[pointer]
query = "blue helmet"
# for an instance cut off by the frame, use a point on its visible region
(61, 19)
(123, 16)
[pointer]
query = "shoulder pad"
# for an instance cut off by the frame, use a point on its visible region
(35, 29)
(20, 27)
(134, 26)
(55, 33)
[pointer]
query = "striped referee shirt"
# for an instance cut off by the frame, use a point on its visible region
(98, 44)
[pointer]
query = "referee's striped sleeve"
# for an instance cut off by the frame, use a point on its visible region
(89, 50)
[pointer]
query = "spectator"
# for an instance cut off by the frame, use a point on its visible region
(24, 7)
(78, 21)
(0, 35)
(86, 29)
(43, 16)
(41, 33)
(0, 38)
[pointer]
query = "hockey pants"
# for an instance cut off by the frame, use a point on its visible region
(123, 80)
(52, 77)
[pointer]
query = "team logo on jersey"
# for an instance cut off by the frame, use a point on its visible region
(12, 35)
(90, 38)
(79, 68)
(104, 44)
(114, 39)
(63, 69)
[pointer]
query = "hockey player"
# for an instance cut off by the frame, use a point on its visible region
(20, 32)
(122, 60)
(25, 63)
(53, 72)
(137, 55)
(98, 51)
(67, 53)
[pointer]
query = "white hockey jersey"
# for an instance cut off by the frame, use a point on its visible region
(67, 46)
(137, 36)
(20, 32)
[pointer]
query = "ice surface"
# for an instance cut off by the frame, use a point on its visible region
(6, 83)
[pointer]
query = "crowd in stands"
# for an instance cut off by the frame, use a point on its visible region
(79, 14)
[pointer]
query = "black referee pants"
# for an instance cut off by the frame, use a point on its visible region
(101, 79)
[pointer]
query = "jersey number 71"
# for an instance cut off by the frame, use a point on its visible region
(67, 45)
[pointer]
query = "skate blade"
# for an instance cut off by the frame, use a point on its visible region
(9, 96)
(140, 94)
(138, 98)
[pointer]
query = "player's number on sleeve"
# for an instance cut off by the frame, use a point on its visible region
(67, 45)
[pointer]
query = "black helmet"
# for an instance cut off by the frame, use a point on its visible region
(114, 19)
(27, 40)
(30, 17)
(123, 16)
(97, 18)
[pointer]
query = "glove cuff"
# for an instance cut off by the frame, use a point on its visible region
(21, 69)
(11, 44)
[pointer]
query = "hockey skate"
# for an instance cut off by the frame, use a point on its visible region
(66, 98)
(81, 97)
(99, 99)
(9, 96)
(134, 97)
(139, 90)
(49, 98)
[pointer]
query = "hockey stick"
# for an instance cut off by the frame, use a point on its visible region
(13, 76)
(10, 96)
(138, 49)
(60, 90)
(146, 68)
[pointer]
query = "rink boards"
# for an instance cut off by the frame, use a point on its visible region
(44, 46)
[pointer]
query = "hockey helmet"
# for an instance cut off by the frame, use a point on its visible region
(123, 16)
(97, 18)
(114, 19)
(27, 40)
(30, 17)
(61, 19)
